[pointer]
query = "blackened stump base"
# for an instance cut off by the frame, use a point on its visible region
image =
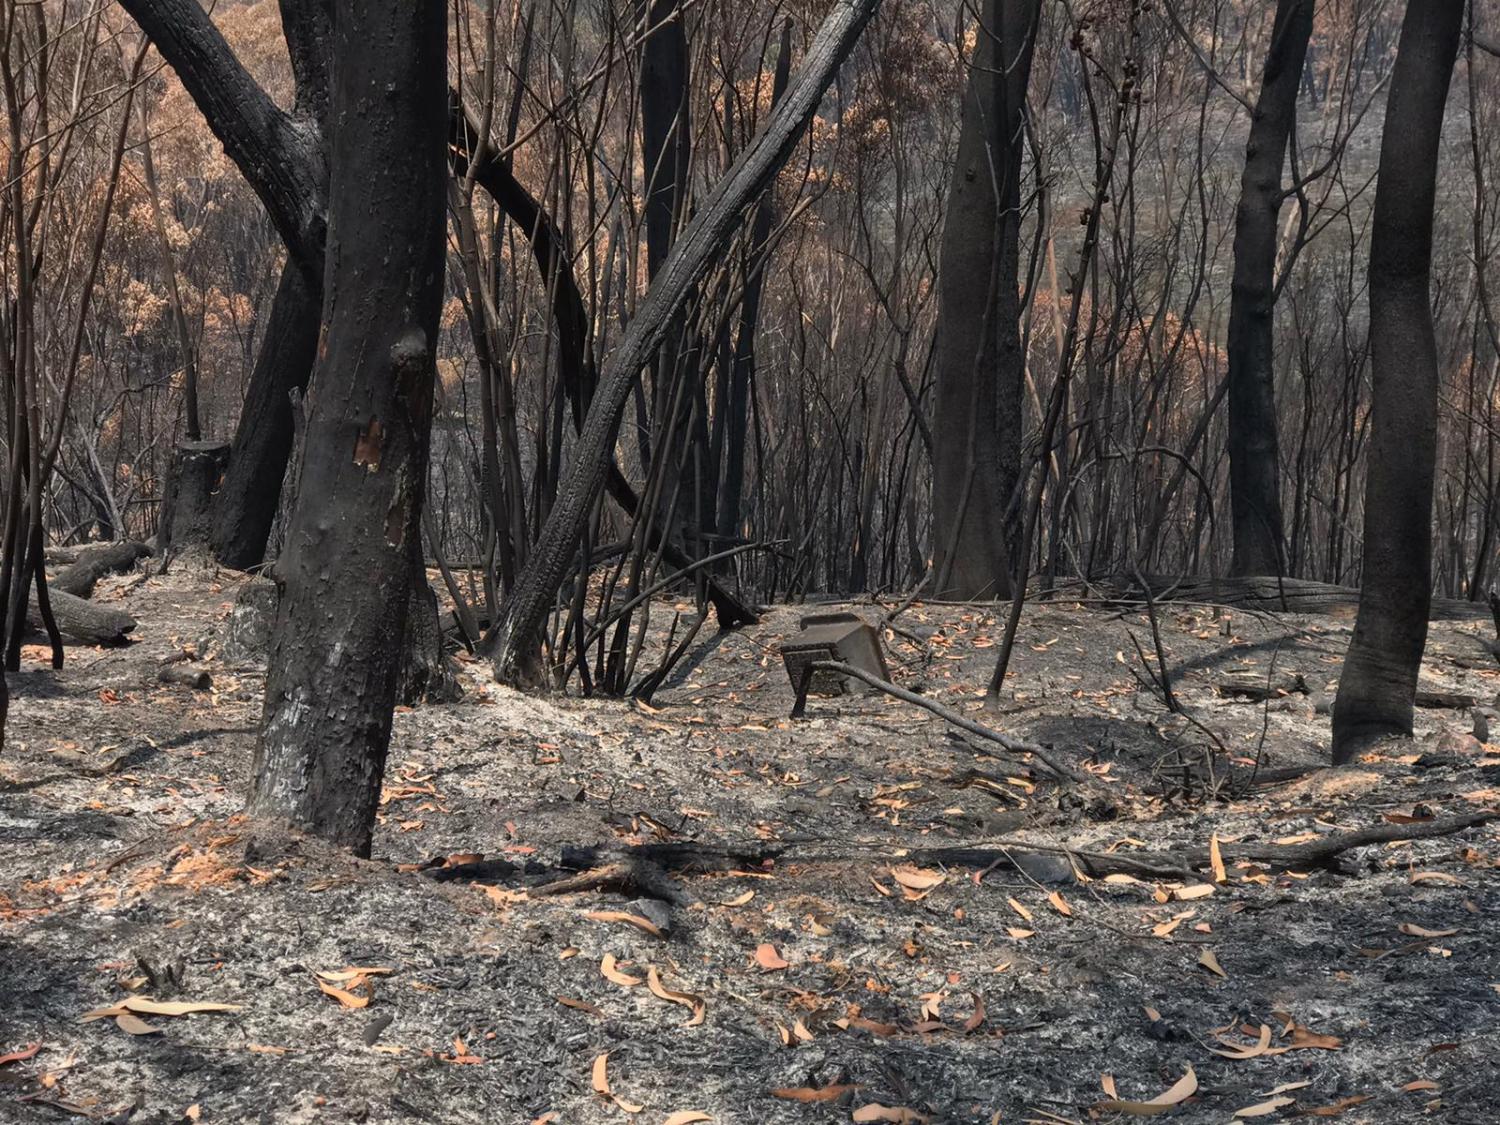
(192, 484)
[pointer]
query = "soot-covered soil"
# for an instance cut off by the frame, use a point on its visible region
(814, 966)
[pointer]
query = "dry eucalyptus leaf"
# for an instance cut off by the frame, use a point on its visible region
(608, 969)
(1216, 860)
(1018, 933)
(643, 924)
(895, 1114)
(686, 999)
(1338, 1107)
(1411, 929)
(1019, 909)
(1060, 904)
(1260, 1047)
(1196, 890)
(739, 900)
(1434, 878)
(1211, 963)
(580, 1005)
(915, 879)
(768, 959)
(1306, 1037)
(599, 1075)
(1181, 1091)
(134, 1025)
(686, 1117)
(810, 1094)
(343, 996)
(976, 1021)
(1286, 1088)
(1265, 1108)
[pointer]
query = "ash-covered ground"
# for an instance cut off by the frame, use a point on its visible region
(815, 964)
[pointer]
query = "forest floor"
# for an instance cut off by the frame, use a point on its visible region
(816, 965)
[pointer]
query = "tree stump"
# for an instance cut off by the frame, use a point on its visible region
(188, 503)
(426, 675)
(247, 632)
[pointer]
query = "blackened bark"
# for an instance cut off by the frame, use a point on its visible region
(193, 481)
(1254, 472)
(251, 492)
(513, 642)
(575, 363)
(980, 365)
(665, 125)
(345, 577)
(742, 371)
(1378, 686)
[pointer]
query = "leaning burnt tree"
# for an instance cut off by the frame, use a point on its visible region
(346, 574)
(514, 643)
(980, 363)
(1254, 449)
(1379, 681)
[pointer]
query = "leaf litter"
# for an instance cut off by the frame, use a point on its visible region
(888, 929)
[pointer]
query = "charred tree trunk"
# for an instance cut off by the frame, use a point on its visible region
(742, 371)
(187, 509)
(514, 642)
(1379, 681)
(251, 492)
(980, 364)
(345, 577)
(1254, 473)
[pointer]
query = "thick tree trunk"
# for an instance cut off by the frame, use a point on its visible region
(1254, 471)
(251, 491)
(514, 641)
(346, 573)
(980, 365)
(1379, 680)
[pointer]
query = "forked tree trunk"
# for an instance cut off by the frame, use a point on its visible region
(980, 365)
(1379, 681)
(282, 155)
(1254, 473)
(345, 576)
(514, 642)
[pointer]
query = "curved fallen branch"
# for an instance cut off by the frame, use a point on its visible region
(942, 711)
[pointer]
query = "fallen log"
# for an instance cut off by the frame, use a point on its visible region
(92, 563)
(1150, 865)
(1258, 690)
(83, 620)
(1269, 595)
(194, 676)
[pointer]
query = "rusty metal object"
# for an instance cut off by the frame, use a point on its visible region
(844, 637)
